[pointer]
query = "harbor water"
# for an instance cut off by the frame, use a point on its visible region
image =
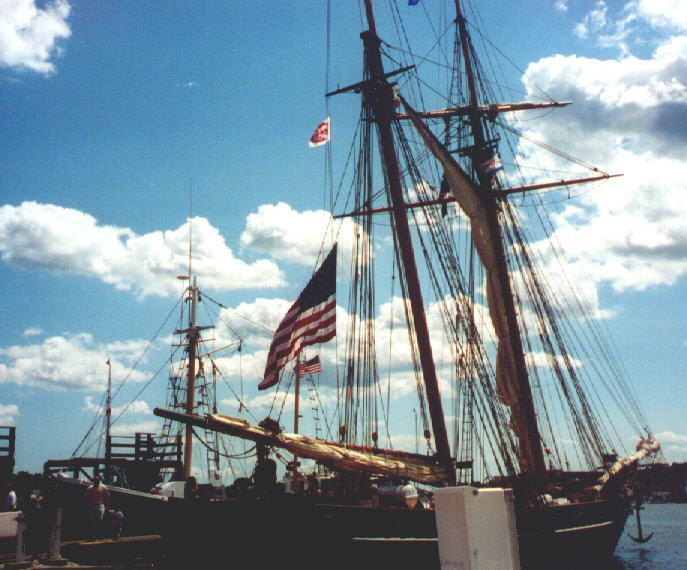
(667, 549)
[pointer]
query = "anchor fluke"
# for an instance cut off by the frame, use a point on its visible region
(641, 538)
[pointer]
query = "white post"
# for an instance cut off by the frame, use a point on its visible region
(21, 528)
(476, 529)
(55, 536)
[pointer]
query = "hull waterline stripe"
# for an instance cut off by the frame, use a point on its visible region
(395, 539)
(412, 539)
(586, 527)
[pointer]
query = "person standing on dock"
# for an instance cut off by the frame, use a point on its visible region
(191, 492)
(98, 499)
(9, 501)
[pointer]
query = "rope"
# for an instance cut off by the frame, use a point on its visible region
(126, 378)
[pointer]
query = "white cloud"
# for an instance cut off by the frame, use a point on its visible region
(633, 24)
(270, 400)
(561, 5)
(29, 35)
(32, 331)
(407, 442)
(673, 444)
(127, 351)
(280, 402)
(668, 14)
(243, 365)
(543, 360)
(254, 322)
(41, 237)
(139, 407)
(284, 233)
(263, 315)
(72, 362)
(8, 414)
(603, 87)
(670, 437)
(403, 383)
(629, 116)
(149, 426)
(123, 413)
(594, 21)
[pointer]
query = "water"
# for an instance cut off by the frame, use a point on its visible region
(667, 550)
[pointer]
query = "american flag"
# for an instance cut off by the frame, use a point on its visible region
(310, 320)
(322, 133)
(309, 366)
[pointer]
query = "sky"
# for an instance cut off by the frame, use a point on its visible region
(122, 121)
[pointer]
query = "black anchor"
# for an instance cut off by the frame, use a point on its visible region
(641, 538)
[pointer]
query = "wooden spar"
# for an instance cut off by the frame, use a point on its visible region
(489, 110)
(531, 454)
(219, 349)
(500, 192)
(358, 87)
(381, 98)
(355, 459)
(558, 184)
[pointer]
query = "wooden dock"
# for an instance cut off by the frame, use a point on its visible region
(130, 552)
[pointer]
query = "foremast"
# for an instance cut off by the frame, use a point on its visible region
(380, 96)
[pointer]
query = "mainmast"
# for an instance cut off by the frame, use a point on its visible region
(380, 96)
(531, 453)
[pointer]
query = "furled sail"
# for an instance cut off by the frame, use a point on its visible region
(645, 448)
(344, 458)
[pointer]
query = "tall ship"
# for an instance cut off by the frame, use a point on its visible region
(509, 362)
(517, 384)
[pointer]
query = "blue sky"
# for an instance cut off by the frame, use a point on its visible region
(113, 114)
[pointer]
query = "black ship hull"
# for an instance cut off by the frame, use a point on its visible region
(263, 533)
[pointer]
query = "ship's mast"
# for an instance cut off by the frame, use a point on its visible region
(193, 335)
(108, 420)
(192, 347)
(296, 410)
(379, 94)
(531, 454)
